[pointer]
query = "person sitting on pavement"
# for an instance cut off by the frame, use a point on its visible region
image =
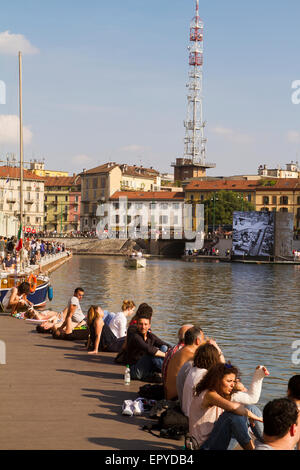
(170, 353)
(214, 420)
(15, 300)
(143, 309)
(193, 338)
(145, 351)
(206, 356)
(294, 393)
(281, 425)
(113, 334)
(74, 315)
(209, 355)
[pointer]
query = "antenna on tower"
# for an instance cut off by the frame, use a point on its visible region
(195, 142)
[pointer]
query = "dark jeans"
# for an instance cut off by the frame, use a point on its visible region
(232, 426)
(147, 365)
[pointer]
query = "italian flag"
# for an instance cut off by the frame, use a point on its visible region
(20, 239)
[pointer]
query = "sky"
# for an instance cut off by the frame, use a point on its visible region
(106, 81)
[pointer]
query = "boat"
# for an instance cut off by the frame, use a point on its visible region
(135, 262)
(39, 287)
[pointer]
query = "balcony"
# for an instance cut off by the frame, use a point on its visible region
(29, 201)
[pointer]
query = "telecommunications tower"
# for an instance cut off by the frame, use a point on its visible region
(194, 163)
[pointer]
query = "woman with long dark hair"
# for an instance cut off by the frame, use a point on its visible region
(214, 419)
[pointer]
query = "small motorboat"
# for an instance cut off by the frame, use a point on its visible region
(135, 262)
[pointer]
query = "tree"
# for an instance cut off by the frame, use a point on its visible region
(219, 207)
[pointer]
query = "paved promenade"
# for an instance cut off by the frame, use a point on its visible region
(53, 395)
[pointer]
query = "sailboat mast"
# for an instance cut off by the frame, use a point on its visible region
(21, 142)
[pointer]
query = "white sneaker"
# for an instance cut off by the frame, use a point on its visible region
(127, 408)
(138, 407)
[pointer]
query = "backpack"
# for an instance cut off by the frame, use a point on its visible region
(172, 424)
(152, 391)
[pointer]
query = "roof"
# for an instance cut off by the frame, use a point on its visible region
(61, 180)
(221, 185)
(280, 184)
(148, 195)
(139, 171)
(14, 173)
(105, 168)
(130, 170)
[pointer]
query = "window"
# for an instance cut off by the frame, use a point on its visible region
(265, 200)
(249, 197)
(284, 209)
(284, 200)
(163, 219)
(28, 220)
(298, 200)
(274, 199)
(95, 183)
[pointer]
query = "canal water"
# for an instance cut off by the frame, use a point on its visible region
(252, 311)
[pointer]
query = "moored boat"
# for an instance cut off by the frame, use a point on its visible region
(135, 262)
(39, 286)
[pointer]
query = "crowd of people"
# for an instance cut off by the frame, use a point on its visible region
(33, 251)
(220, 410)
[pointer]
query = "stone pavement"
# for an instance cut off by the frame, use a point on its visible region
(54, 396)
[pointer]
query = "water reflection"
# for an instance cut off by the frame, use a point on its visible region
(251, 310)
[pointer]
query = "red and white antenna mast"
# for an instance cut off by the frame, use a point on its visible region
(195, 142)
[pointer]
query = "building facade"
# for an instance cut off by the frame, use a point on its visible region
(62, 204)
(100, 183)
(279, 195)
(33, 197)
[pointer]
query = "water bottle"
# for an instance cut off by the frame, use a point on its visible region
(127, 376)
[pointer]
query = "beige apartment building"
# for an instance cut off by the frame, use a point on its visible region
(278, 195)
(100, 183)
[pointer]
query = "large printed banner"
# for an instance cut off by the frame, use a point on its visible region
(253, 234)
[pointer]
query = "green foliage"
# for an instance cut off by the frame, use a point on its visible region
(266, 182)
(219, 206)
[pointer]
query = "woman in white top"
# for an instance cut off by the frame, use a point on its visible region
(118, 324)
(214, 420)
(208, 355)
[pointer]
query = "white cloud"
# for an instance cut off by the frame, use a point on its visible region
(232, 136)
(9, 130)
(293, 137)
(11, 44)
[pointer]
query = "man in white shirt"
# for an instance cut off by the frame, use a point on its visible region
(74, 315)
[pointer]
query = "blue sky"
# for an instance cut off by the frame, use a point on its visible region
(106, 81)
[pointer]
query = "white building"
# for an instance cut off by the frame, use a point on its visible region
(33, 196)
